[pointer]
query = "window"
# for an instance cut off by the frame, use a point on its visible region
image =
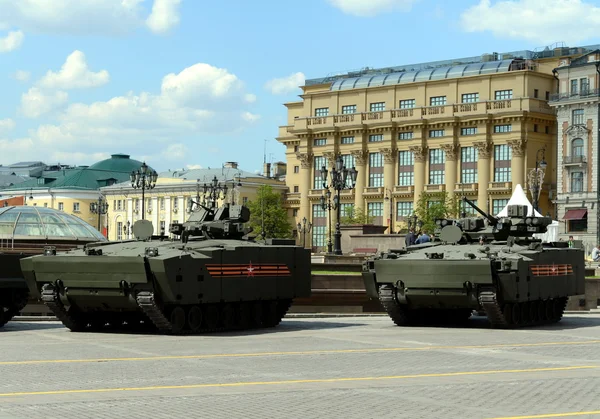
(468, 165)
(319, 232)
(578, 117)
(319, 161)
(162, 228)
(120, 205)
(348, 160)
(503, 94)
(375, 138)
(535, 127)
(375, 210)
(436, 133)
(536, 93)
(347, 140)
(406, 164)
(119, 230)
(502, 159)
(295, 212)
(347, 109)
(377, 107)
(502, 128)
(577, 182)
(465, 208)
(547, 129)
(404, 209)
(296, 148)
(321, 111)
(547, 95)
(437, 101)
(498, 205)
(407, 104)
(577, 147)
(584, 85)
(470, 97)
(245, 200)
(296, 188)
(61, 206)
(468, 131)
(375, 170)
(75, 206)
(296, 169)
(573, 87)
(346, 210)
(320, 142)
(437, 159)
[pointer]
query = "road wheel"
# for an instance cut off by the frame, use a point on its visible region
(195, 318)
(177, 320)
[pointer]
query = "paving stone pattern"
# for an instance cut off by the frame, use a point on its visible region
(487, 395)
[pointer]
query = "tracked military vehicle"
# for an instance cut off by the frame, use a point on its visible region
(212, 278)
(493, 265)
(25, 231)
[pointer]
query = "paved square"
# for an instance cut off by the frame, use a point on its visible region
(345, 367)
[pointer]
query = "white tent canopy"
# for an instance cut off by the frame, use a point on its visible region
(518, 198)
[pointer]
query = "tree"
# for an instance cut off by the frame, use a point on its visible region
(355, 216)
(267, 214)
(433, 205)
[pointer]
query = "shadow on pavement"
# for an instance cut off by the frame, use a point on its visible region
(19, 326)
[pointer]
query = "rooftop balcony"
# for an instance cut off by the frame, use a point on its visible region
(361, 119)
(575, 96)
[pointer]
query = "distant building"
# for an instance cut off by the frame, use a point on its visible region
(24, 169)
(168, 202)
(72, 189)
(578, 104)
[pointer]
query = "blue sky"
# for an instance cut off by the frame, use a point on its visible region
(187, 83)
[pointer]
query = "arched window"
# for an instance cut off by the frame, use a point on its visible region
(577, 147)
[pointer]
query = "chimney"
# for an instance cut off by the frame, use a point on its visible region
(267, 170)
(280, 169)
(231, 164)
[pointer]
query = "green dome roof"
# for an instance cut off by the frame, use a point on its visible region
(117, 163)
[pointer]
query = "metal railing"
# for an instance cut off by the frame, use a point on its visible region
(574, 159)
(556, 97)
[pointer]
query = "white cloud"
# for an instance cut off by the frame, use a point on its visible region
(541, 21)
(250, 98)
(22, 75)
(175, 152)
(74, 74)
(164, 16)
(285, 85)
(370, 8)
(193, 166)
(35, 102)
(6, 125)
(250, 117)
(18, 149)
(12, 41)
(89, 17)
(201, 99)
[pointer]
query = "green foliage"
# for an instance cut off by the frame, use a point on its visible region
(267, 210)
(354, 215)
(436, 205)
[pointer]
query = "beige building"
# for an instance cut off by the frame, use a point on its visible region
(577, 105)
(168, 201)
(466, 126)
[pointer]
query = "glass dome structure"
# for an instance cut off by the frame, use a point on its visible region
(39, 223)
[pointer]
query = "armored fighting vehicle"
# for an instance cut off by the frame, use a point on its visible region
(493, 265)
(25, 231)
(212, 278)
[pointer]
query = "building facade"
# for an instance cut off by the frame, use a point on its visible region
(577, 108)
(469, 127)
(168, 202)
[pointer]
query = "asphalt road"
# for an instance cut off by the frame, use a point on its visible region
(356, 367)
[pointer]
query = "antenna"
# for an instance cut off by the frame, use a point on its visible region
(265, 152)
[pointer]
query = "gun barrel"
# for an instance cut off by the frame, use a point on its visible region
(491, 219)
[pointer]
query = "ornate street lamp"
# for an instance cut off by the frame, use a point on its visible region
(127, 229)
(144, 180)
(214, 190)
(339, 180)
(303, 229)
(536, 177)
(99, 207)
(327, 205)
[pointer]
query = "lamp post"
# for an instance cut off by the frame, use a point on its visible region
(389, 198)
(99, 207)
(303, 229)
(144, 180)
(326, 204)
(536, 177)
(213, 190)
(339, 181)
(127, 229)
